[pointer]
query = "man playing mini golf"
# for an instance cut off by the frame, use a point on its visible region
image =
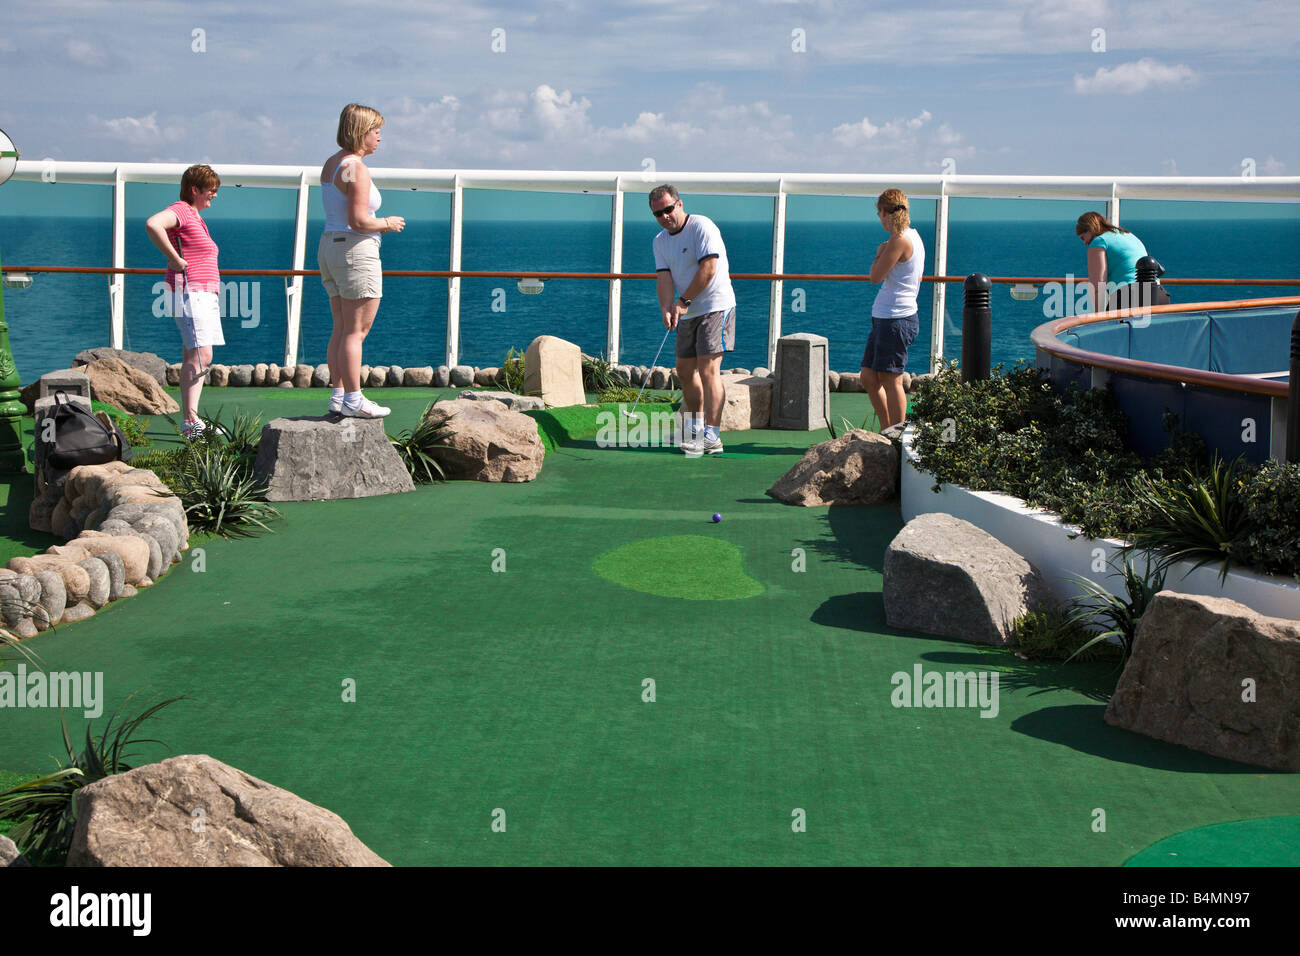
(696, 299)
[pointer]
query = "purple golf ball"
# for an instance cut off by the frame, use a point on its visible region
(716, 517)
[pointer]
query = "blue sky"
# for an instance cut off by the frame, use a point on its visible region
(1091, 87)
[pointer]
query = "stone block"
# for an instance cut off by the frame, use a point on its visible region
(748, 403)
(308, 459)
(801, 395)
(69, 380)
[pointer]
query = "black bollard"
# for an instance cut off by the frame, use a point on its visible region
(1150, 291)
(976, 328)
(1293, 396)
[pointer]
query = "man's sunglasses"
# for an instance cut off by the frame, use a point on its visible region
(667, 209)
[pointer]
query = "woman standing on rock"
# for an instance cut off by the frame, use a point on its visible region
(193, 283)
(348, 255)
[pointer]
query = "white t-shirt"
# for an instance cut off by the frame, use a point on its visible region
(681, 254)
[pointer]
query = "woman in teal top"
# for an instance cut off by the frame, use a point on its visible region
(1112, 255)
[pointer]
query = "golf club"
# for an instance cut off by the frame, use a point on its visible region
(632, 412)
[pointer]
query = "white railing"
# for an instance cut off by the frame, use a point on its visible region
(778, 186)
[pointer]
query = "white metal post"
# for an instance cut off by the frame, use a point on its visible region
(613, 330)
(940, 269)
(117, 281)
(293, 287)
(778, 266)
(453, 284)
(1112, 207)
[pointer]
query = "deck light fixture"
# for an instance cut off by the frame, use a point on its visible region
(8, 157)
(531, 286)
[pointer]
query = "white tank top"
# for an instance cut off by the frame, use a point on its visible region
(897, 296)
(336, 204)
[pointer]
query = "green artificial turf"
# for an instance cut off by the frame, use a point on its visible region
(687, 566)
(1272, 841)
(418, 662)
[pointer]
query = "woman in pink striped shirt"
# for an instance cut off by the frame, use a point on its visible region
(193, 282)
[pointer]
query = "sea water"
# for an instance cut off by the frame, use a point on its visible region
(62, 314)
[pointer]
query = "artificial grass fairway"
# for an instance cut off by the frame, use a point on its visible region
(1274, 841)
(687, 566)
(494, 669)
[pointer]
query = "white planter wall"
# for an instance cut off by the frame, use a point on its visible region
(1047, 544)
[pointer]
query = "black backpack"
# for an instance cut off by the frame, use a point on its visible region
(80, 438)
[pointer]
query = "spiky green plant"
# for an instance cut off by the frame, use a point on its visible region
(1202, 518)
(420, 447)
(44, 810)
(627, 394)
(513, 373)
(220, 493)
(598, 375)
(1117, 616)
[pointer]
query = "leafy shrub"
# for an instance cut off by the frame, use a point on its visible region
(43, 811)
(133, 429)
(1053, 634)
(1065, 453)
(1117, 616)
(626, 394)
(213, 476)
(599, 376)
(512, 372)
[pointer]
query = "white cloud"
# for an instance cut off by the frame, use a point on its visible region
(1137, 77)
(87, 54)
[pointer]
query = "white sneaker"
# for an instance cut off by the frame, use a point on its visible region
(336, 405)
(367, 409)
(692, 445)
(192, 430)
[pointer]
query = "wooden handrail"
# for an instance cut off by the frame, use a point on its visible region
(495, 274)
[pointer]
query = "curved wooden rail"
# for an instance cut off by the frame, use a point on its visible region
(1044, 338)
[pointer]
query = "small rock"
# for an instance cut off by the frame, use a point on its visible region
(54, 598)
(834, 379)
(173, 374)
(320, 376)
(302, 376)
(441, 377)
(112, 561)
(462, 376)
(418, 377)
(395, 373)
(259, 375)
(378, 377)
(99, 581)
(241, 376)
(78, 612)
(219, 377)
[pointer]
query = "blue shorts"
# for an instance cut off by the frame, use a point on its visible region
(887, 344)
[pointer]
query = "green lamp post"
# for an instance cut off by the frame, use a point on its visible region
(12, 459)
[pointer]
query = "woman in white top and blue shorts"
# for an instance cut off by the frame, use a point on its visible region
(348, 255)
(895, 320)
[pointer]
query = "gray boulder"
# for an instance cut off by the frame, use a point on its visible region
(9, 855)
(307, 459)
(485, 441)
(947, 577)
(320, 376)
(421, 377)
(441, 377)
(116, 572)
(518, 403)
(462, 376)
(1213, 675)
(197, 811)
(99, 581)
(241, 375)
(153, 365)
(858, 468)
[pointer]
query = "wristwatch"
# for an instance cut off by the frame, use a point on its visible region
(684, 301)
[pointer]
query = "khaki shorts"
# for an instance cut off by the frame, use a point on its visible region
(710, 334)
(349, 266)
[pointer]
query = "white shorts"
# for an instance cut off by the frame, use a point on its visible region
(198, 316)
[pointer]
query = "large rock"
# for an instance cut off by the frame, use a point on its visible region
(241, 375)
(309, 459)
(945, 576)
(485, 441)
(147, 817)
(302, 375)
(858, 468)
(421, 377)
(748, 403)
(461, 375)
(9, 855)
(219, 377)
(1213, 675)
(153, 365)
(130, 389)
(850, 382)
(518, 403)
(320, 376)
(553, 370)
(442, 377)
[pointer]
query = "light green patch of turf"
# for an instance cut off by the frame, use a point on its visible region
(1268, 841)
(688, 566)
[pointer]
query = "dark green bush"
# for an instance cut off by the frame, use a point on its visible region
(1065, 454)
(1052, 634)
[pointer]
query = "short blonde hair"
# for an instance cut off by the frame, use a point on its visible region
(355, 122)
(893, 205)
